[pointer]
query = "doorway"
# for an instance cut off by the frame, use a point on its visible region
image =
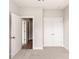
(27, 33)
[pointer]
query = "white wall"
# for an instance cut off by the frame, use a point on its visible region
(66, 27)
(13, 8)
(53, 13)
(36, 13)
(53, 28)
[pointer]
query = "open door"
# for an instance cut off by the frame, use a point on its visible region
(16, 34)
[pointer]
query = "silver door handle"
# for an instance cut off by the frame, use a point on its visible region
(13, 37)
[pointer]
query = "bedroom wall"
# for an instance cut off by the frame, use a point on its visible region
(14, 8)
(53, 13)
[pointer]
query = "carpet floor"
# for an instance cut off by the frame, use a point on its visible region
(46, 53)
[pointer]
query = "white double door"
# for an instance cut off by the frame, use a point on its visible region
(53, 31)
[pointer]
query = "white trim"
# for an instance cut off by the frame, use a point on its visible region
(38, 48)
(27, 17)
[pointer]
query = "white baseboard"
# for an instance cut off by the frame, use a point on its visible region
(66, 48)
(54, 46)
(37, 48)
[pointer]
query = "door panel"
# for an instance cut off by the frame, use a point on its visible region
(15, 34)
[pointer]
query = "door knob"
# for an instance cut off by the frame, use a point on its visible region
(52, 34)
(13, 37)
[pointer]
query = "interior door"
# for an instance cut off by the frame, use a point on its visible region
(53, 31)
(16, 34)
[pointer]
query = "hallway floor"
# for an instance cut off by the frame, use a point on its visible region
(46, 53)
(28, 45)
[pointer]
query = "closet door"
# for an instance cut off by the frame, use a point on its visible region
(53, 31)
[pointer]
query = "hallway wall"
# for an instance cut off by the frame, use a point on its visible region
(24, 32)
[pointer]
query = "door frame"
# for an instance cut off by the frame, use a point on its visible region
(10, 35)
(32, 28)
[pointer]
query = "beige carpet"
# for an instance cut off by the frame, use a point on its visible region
(46, 53)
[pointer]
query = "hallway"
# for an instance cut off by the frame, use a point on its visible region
(46, 53)
(28, 45)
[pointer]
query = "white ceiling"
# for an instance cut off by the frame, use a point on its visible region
(47, 4)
